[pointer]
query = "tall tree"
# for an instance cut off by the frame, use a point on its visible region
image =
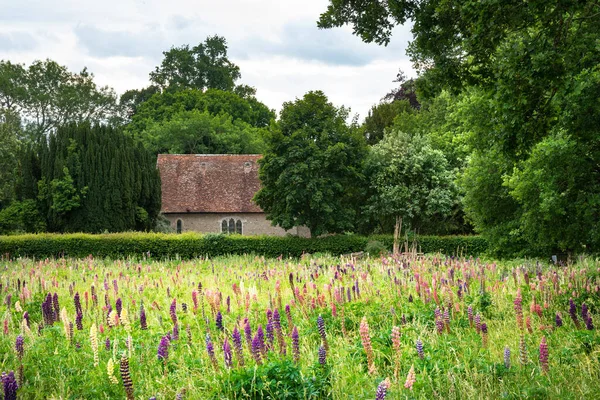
(47, 95)
(312, 168)
(205, 66)
(10, 130)
(92, 179)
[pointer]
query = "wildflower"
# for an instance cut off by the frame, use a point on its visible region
(256, 349)
(484, 334)
(295, 345)
(382, 389)
(125, 376)
(143, 323)
(321, 327)
(366, 342)
(210, 349)
(188, 332)
(528, 324)
(19, 346)
(163, 349)
(419, 346)
(175, 335)
(410, 378)
(573, 313)
(522, 350)
(270, 334)
(447, 319)
(261, 340)
(10, 386)
(288, 314)
(237, 346)
(219, 321)
(195, 300)
(519, 309)
(396, 346)
(173, 311)
(110, 368)
(589, 324)
(79, 321)
(124, 318)
(248, 334)
(322, 355)
(119, 306)
(558, 320)
(227, 353)
(544, 355)
(107, 344)
(94, 343)
(478, 323)
(506, 357)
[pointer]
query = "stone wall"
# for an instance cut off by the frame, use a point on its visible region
(252, 223)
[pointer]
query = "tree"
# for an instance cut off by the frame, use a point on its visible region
(406, 91)
(196, 132)
(131, 99)
(163, 106)
(10, 131)
(91, 179)
(381, 117)
(47, 95)
(201, 67)
(411, 182)
(312, 168)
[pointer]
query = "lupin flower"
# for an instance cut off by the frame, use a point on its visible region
(227, 353)
(522, 350)
(119, 306)
(558, 320)
(447, 318)
(270, 334)
(94, 343)
(321, 327)
(506, 357)
(366, 342)
(528, 324)
(419, 346)
(288, 314)
(219, 321)
(278, 331)
(256, 349)
(322, 355)
(470, 315)
(519, 309)
(296, 345)
(261, 340)
(163, 349)
(173, 311)
(248, 334)
(175, 335)
(19, 347)
(110, 369)
(478, 323)
(410, 378)
(195, 300)
(126, 377)
(397, 350)
(10, 386)
(188, 332)
(79, 321)
(210, 349)
(484, 334)
(124, 318)
(107, 344)
(382, 389)
(237, 346)
(143, 322)
(544, 355)
(573, 313)
(589, 324)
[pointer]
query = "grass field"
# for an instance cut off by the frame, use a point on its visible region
(246, 327)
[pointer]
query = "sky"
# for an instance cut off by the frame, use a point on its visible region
(276, 44)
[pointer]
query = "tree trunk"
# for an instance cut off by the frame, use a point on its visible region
(397, 229)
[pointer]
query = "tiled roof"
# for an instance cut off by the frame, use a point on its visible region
(210, 183)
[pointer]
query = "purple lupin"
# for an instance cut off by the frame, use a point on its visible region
(419, 347)
(296, 345)
(163, 349)
(322, 355)
(237, 346)
(10, 386)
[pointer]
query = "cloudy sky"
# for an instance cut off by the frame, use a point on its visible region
(276, 44)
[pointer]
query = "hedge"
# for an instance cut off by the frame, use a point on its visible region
(190, 245)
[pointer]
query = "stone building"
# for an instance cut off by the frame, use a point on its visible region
(212, 193)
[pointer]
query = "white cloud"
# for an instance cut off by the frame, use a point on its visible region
(276, 44)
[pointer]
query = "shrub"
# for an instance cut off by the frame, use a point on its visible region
(190, 245)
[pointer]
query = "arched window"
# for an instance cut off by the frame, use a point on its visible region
(231, 225)
(224, 226)
(238, 226)
(179, 226)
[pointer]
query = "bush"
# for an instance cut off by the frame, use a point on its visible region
(190, 245)
(375, 248)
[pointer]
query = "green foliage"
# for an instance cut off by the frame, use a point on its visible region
(196, 132)
(91, 179)
(22, 216)
(410, 179)
(10, 131)
(279, 379)
(375, 248)
(189, 245)
(205, 66)
(163, 107)
(47, 95)
(312, 168)
(381, 116)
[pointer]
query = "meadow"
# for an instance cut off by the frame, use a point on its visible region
(316, 327)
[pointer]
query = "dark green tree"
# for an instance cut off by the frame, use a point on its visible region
(381, 117)
(311, 172)
(91, 179)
